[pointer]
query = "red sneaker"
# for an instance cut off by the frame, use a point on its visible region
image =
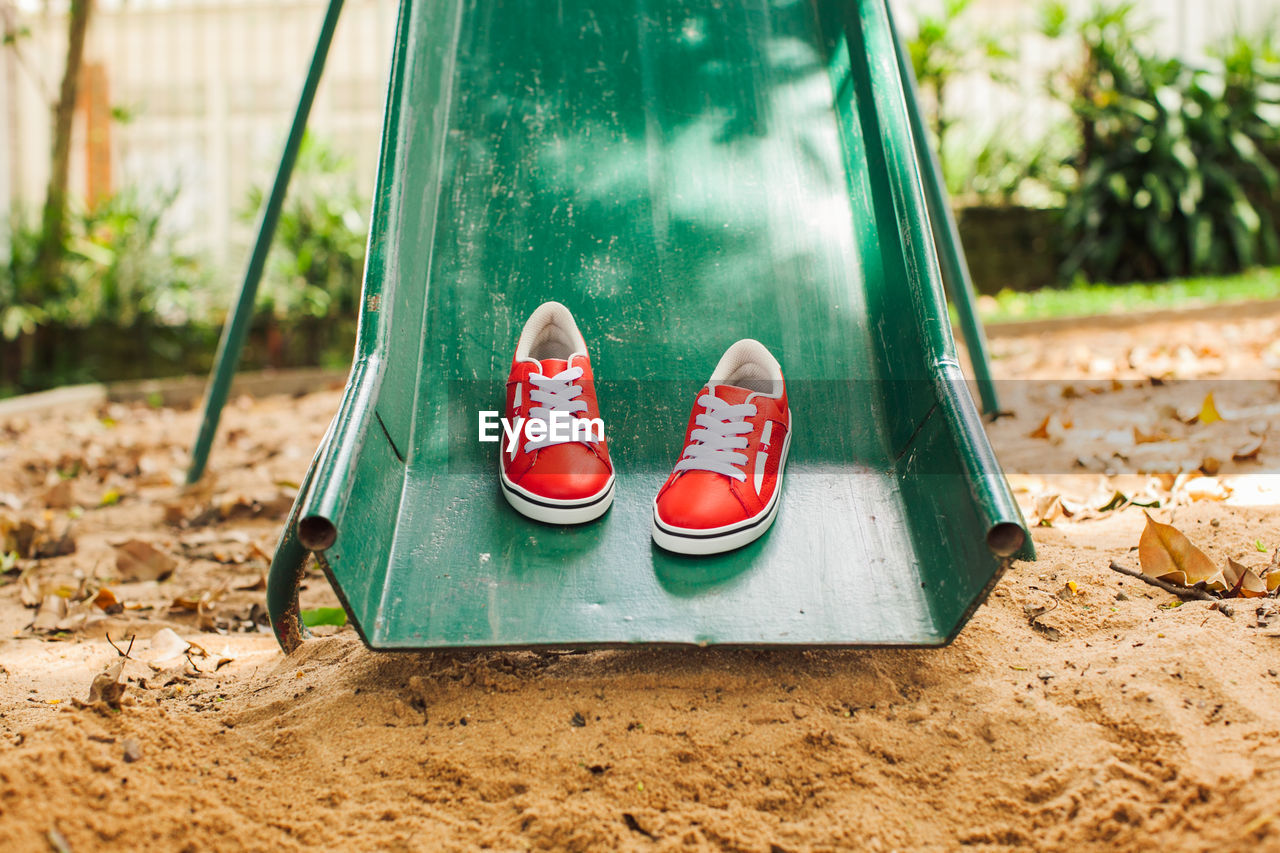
(724, 490)
(561, 473)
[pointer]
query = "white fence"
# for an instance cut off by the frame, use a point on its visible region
(206, 89)
(203, 92)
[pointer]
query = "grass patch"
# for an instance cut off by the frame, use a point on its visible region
(1086, 300)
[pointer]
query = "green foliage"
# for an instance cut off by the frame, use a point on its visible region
(1178, 168)
(945, 46)
(1004, 168)
(317, 260)
(1085, 299)
(129, 269)
(324, 616)
(119, 268)
(21, 308)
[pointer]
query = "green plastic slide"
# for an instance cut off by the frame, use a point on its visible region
(681, 174)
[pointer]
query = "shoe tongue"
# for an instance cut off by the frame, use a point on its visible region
(731, 394)
(552, 366)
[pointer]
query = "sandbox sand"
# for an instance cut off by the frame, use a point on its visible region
(1114, 722)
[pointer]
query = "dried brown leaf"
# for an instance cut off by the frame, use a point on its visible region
(1164, 552)
(54, 546)
(78, 613)
(53, 608)
(1048, 509)
(17, 535)
(1271, 574)
(59, 496)
(257, 586)
(106, 601)
(1156, 436)
(141, 561)
(106, 686)
(175, 514)
(1243, 582)
(1249, 450)
(29, 589)
(1053, 427)
(166, 646)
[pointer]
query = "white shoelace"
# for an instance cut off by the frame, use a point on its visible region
(554, 394)
(723, 432)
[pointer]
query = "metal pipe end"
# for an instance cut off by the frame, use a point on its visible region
(317, 533)
(1006, 539)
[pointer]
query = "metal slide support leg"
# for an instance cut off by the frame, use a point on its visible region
(237, 325)
(955, 269)
(288, 566)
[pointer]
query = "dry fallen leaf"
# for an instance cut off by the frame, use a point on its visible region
(1048, 508)
(1053, 427)
(1249, 450)
(1209, 411)
(1156, 436)
(1205, 489)
(17, 535)
(77, 616)
(29, 589)
(141, 561)
(106, 686)
(175, 514)
(166, 647)
(1164, 552)
(1271, 574)
(106, 600)
(59, 496)
(257, 586)
(1243, 581)
(52, 611)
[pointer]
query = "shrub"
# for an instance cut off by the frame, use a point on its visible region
(317, 259)
(119, 268)
(1177, 163)
(944, 47)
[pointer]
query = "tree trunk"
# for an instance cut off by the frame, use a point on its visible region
(53, 236)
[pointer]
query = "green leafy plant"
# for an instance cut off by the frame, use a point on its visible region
(945, 46)
(1177, 163)
(129, 269)
(118, 268)
(21, 310)
(317, 260)
(1004, 168)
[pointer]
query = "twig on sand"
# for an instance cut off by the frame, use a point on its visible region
(125, 653)
(1174, 588)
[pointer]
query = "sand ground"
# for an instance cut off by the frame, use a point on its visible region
(1079, 710)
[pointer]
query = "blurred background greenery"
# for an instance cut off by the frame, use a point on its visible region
(1150, 168)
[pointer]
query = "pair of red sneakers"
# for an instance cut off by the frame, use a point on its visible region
(555, 466)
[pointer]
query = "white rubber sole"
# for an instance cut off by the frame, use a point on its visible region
(551, 511)
(717, 540)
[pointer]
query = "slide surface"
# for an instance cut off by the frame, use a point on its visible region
(681, 174)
